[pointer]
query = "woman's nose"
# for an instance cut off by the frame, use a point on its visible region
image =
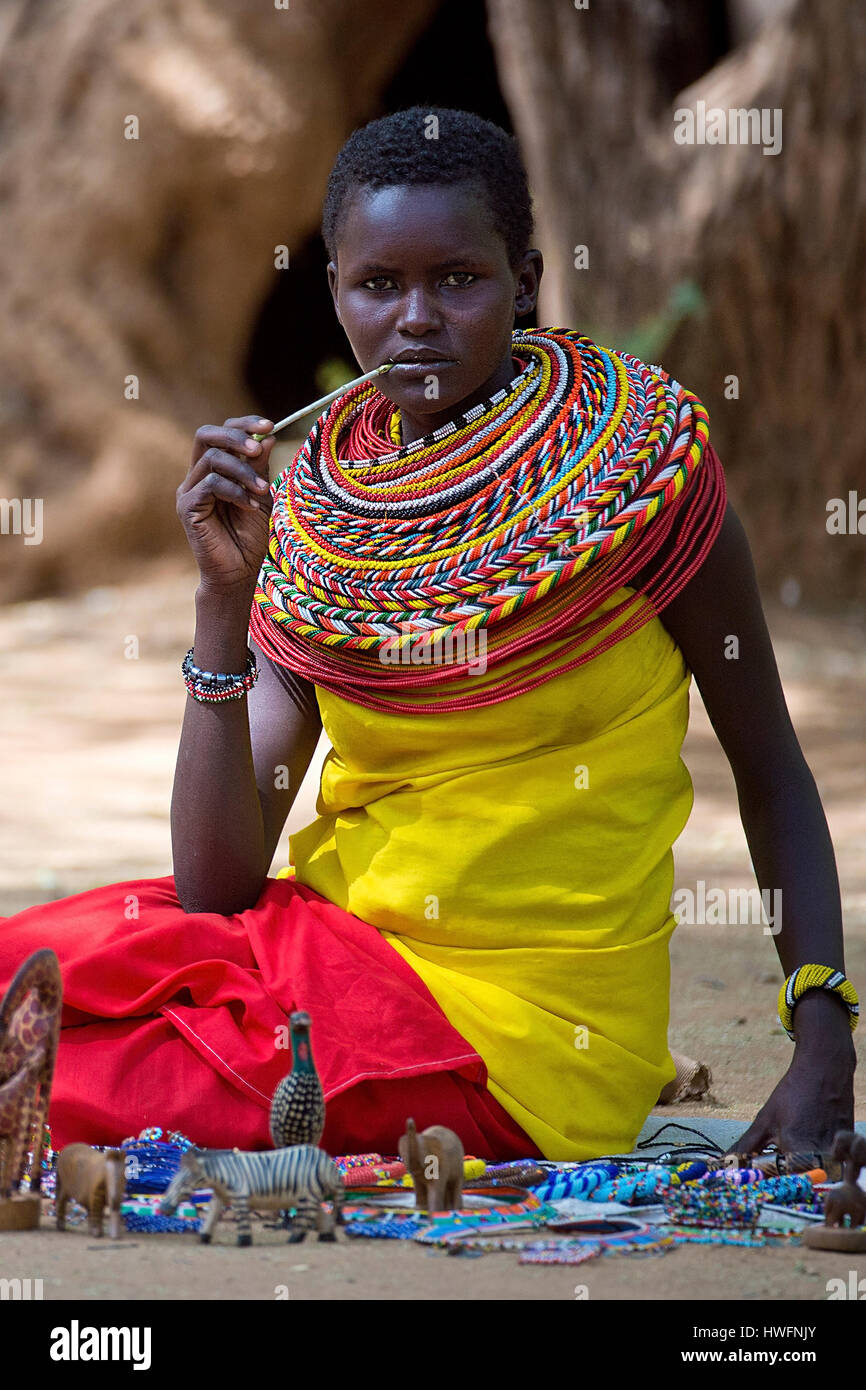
(417, 314)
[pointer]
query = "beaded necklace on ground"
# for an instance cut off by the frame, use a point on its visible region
(389, 565)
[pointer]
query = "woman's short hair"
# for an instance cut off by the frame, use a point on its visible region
(434, 145)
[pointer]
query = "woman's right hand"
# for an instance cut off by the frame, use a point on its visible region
(224, 502)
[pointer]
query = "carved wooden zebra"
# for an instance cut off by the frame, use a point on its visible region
(302, 1177)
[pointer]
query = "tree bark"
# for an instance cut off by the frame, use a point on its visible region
(733, 263)
(148, 258)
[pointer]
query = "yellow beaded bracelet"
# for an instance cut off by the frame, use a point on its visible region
(816, 977)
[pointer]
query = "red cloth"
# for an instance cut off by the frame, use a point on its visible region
(181, 1020)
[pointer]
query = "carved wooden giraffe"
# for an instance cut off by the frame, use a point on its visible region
(29, 1034)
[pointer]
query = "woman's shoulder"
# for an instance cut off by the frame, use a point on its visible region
(717, 620)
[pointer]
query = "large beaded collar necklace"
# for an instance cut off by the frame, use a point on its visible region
(517, 520)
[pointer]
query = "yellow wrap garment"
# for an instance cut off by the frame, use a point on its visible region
(519, 857)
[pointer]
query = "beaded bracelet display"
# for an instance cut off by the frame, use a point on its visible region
(561, 1252)
(522, 1172)
(733, 1177)
(816, 977)
(717, 1206)
(212, 687)
(390, 1228)
(735, 1235)
(782, 1191)
(486, 1244)
(150, 1165)
(385, 1174)
(154, 1223)
(579, 1182)
(643, 1240)
(453, 1226)
(514, 1176)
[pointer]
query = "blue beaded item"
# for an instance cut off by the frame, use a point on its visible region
(712, 1206)
(150, 1164)
(579, 1182)
(153, 1223)
(394, 1228)
(787, 1190)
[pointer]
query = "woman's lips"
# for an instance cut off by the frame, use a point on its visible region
(421, 369)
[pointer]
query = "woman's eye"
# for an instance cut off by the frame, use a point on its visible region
(378, 282)
(460, 277)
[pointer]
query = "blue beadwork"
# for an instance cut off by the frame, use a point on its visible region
(144, 1223)
(398, 1228)
(150, 1165)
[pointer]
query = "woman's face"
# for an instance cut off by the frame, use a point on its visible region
(420, 272)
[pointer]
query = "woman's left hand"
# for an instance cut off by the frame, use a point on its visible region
(815, 1097)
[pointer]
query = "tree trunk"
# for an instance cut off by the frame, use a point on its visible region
(153, 156)
(747, 270)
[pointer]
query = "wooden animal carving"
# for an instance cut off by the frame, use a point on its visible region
(303, 1177)
(95, 1180)
(298, 1105)
(435, 1160)
(848, 1200)
(29, 1033)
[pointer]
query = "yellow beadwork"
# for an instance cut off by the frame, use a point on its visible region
(816, 977)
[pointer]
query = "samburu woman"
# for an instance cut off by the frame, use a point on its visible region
(478, 919)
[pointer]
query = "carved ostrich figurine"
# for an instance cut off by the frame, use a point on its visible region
(298, 1105)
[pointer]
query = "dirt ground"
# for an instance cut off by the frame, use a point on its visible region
(74, 1266)
(87, 747)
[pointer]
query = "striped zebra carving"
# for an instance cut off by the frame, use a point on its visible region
(302, 1177)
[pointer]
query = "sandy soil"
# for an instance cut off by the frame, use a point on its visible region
(87, 748)
(74, 1266)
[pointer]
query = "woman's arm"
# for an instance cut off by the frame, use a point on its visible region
(240, 762)
(239, 768)
(785, 827)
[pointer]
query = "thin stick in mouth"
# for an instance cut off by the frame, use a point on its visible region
(325, 400)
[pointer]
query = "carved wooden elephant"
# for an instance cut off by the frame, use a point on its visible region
(434, 1158)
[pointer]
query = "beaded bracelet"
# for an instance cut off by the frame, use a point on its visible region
(815, 977)
(716, 1206)
(559, 1253)
(212, 687)
(391, 1228)
(734, 1235)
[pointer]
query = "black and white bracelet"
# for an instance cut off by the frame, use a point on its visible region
(212, 687)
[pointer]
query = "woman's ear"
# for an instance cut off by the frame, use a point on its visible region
(527, 282)
(333, 286)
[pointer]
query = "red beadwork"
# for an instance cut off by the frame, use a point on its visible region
(520, 524)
